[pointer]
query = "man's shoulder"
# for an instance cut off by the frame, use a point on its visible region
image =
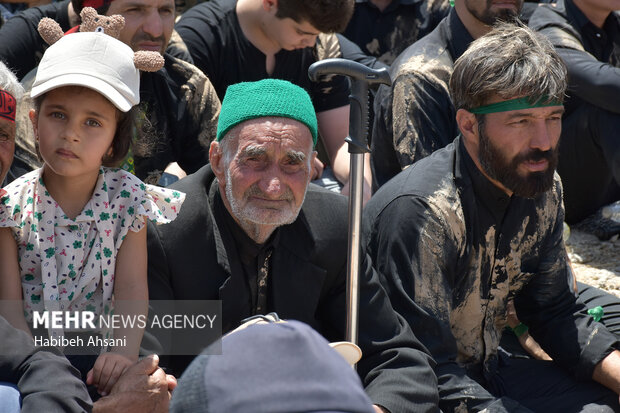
(553, 21)
(424, 179)
(429, 54)
(324, 205)
(181, 73)
(211, 13)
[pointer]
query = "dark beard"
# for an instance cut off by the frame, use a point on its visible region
(486, 17)
(506, 171)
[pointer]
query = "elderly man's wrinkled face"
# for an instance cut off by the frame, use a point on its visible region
(7, 146)
(519, 148)
(268, 170)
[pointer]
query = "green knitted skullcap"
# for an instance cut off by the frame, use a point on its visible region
(265, 98)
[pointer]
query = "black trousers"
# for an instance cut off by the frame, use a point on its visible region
(541, 386)
(589, 160)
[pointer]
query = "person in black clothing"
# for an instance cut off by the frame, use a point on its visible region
(235, 41)
(384, 28)
(479, 223)
(179, 103)
(586, 35)
(256, 235)
(415, 116)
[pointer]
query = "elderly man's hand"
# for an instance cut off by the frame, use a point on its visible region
(143, 387)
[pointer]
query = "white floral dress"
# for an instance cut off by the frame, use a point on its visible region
(68, 264)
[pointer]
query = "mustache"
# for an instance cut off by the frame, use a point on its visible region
(147, 37)
(536, 155)
(254, 190)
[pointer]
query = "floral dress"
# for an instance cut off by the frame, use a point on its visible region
(68, 264)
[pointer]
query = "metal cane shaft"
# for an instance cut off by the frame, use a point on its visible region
(356, 186)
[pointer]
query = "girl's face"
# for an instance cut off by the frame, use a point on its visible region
(75, 127)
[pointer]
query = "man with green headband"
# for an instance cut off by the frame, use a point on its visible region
(256, 235)
(478, 224)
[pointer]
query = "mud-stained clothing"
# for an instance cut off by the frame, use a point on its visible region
(415, 116)
(219, 48)
(451, 249)
(183, 109)
(590, 150)
(385, 34)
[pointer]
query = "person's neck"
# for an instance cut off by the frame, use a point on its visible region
(595, 13)
(251, 16)
(74, 19)
(474, 27)
(72, 194)
(473, 151)
(381, 4)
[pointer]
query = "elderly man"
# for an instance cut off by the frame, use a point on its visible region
(179, 103)
(459, 234)
(254, 234)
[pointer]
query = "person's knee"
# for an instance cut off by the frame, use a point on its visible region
(11, 398)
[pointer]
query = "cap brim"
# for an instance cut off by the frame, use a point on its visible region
(87, 81)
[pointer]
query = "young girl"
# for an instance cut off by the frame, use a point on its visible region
(73, 233)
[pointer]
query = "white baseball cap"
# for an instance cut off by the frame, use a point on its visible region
(93, 60)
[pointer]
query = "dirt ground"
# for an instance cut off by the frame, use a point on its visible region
(595, 262)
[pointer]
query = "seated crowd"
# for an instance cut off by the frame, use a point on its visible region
(148, 156)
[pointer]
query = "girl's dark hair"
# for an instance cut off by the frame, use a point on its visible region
(126, 129)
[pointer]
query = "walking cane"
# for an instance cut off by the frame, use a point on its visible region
(361, 77)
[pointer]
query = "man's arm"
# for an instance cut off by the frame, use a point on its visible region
(334, 127)
(46, 380)
(556, 320)
(595, 82)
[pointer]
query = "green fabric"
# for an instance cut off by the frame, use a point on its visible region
(597, 313)
(515, 104)
(520, 329)
(267, 97)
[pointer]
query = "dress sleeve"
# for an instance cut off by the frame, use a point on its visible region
(11, 210)
(160, 205)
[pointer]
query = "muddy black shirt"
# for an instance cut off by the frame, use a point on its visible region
(219, 48)
(592, 55)
(415, 116)
(385, 34)
(451, 249)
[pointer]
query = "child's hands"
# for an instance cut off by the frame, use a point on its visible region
(106, 371)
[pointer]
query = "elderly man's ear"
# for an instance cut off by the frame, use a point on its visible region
(215, 159)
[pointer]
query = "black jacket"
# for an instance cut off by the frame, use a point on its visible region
(452, 249)
(192, 259)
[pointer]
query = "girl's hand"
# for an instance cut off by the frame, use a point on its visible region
(106, 371)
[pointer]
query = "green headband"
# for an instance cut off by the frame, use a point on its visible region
(265, 98)
(515, 104)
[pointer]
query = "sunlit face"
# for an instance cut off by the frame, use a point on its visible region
(7, 146)
(148, 23)
(291, 35)
(266, 177)
(75, 127)
(490, 11)
(519, 148)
